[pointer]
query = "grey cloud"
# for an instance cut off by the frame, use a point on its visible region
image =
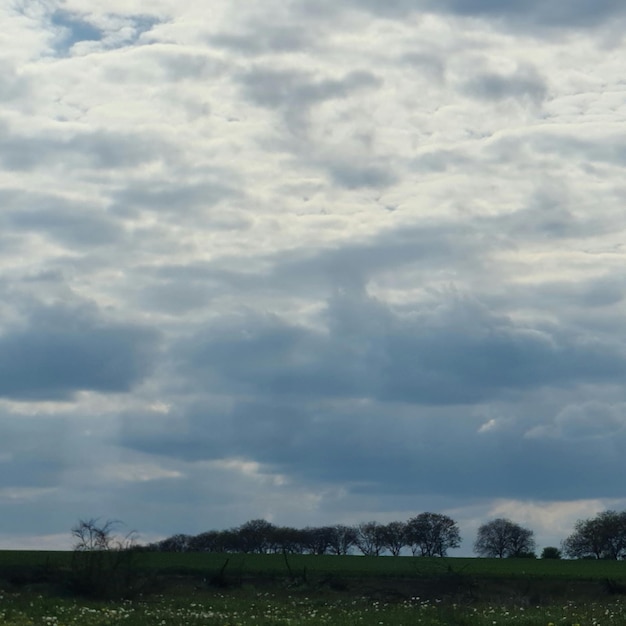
(605, 149)
(439, 161)
(98, 149)
(446, 353)
(179, 199)
(581, 423)
(431, 65)
(65, 221)
(294, 93)
(266, 39)
(523, 84)
(531, 14)
(353, 176)
(58, 351)
(560, 13)
(372, 450)
(274, 88)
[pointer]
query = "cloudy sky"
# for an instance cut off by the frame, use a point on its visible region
(311, 261)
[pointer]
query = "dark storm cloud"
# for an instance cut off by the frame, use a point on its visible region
(447, 352)
(57, 351)
(373, 449)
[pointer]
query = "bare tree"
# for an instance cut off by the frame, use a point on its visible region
(91, 535)
(103, 562)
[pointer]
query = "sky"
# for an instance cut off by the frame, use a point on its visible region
(309, 261)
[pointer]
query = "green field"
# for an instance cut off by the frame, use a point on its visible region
(270, 590)
(276, 565)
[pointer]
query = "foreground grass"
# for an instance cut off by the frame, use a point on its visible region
(247, 608)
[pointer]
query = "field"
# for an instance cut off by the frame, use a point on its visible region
(273, 591)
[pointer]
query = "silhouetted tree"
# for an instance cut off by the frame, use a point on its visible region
(601, 537)
(342, 539)
(175, 543)
(316, 540)
(369, 538)
(257, 535)
(394, 537)
(432, 534)
(503, 538)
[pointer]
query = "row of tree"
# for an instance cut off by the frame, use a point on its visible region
(427, 534)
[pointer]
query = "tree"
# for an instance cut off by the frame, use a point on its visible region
(369, 538)
(600, 537)
(503, 538)
(342, 539)
(257, 535)
(432, 534)
(176, 543)
(393, 537)
(550, 552)
(317, 540)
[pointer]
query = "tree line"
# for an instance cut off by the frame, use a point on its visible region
(427, 534)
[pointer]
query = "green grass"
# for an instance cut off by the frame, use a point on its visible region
(274, 565)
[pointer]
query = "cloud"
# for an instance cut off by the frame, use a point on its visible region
(530, 15)
(294, 93)
(524, 84)
(57, 351)
(448, 352)
(316, 262)
(68, 222)
(75, 148)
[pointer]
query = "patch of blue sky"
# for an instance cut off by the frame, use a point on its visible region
(74, 30)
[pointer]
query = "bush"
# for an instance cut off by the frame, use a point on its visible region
(551, 553)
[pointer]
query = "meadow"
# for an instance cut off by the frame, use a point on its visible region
(269, 590)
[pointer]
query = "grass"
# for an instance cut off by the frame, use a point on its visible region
(274, 565)
(270, 590)
(249, 608)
